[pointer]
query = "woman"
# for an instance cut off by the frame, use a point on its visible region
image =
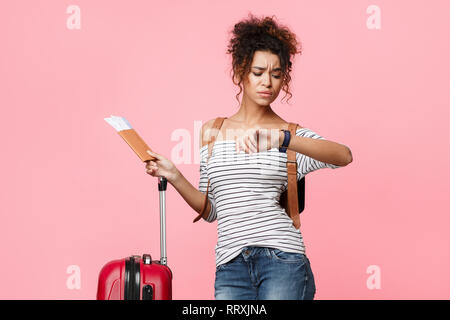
(259, 253)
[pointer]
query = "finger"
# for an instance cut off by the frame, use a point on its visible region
(245, 144)
(153, 154)
(249, 145)
(241, 145)
(251, 148)
(253, 143)
(152, 171)
(263, 143)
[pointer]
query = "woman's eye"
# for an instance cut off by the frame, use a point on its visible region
(258, 74)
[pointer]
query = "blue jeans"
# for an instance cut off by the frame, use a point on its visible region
(260, 273)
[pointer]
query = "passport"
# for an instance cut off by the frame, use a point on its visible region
(131, 137)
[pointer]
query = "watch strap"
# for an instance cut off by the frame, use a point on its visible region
(287, 139)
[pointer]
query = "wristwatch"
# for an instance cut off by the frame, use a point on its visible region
(287, 139)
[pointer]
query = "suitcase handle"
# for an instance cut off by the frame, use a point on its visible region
(162, 186)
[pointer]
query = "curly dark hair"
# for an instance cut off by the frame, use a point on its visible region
(263, 34)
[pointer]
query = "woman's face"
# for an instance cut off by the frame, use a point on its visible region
(265, 75)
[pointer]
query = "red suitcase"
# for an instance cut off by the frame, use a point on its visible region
(136, 277)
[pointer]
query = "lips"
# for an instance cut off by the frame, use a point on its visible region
(265, 95)
(265, 92)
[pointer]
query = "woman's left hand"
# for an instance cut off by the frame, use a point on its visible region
(257, 140)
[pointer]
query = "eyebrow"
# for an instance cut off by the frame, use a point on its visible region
(261, 68)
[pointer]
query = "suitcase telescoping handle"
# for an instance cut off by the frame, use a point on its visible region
(162, 186)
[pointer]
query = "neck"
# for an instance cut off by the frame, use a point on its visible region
(251, 113)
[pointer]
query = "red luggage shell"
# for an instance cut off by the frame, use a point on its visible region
(112, 280)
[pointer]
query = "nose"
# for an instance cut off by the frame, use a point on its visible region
(266, 80)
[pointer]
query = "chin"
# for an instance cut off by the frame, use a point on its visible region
(265, 101)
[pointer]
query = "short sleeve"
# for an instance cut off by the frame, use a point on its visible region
(307, 164)
(203, 183)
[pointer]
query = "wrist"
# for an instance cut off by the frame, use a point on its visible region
(286, 140)
(174, 177)
(280, 138)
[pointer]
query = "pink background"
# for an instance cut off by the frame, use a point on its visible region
(73, 193)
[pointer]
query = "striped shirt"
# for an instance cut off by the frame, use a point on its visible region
(244, 192)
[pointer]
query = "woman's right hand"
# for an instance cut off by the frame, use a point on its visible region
(161, 167)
